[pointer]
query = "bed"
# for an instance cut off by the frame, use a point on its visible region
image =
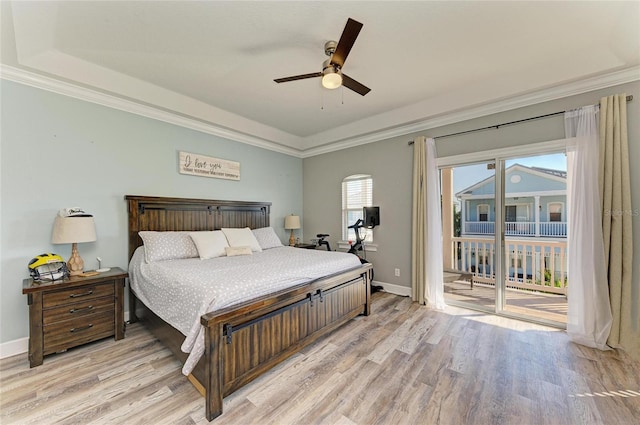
(246, 339)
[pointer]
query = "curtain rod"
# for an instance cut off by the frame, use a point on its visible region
(629, 98)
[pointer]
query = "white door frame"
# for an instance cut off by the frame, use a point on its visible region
(499, 157)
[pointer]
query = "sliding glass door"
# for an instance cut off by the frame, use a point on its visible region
(468, 215)
(504, 236)
(535, 203)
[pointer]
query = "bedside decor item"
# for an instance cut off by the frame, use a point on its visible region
(74, 230)
(100, 268)
(292, 222)
(48, 266)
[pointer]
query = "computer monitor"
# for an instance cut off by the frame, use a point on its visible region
(371, 217)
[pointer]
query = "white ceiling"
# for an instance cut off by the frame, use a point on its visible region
(213, 62)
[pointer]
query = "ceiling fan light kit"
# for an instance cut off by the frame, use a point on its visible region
(332, 76)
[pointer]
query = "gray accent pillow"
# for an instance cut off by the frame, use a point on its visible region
(160, 246)
(267, 237)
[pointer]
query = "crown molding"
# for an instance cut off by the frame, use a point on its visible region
(43, 82)
(565, 90)
(615, 78)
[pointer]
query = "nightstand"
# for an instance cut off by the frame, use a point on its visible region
(305, 245)
(74, 311)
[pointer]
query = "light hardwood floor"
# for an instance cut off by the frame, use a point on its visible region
(404, 364)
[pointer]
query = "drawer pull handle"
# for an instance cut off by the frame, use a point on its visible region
(84, 294)
(84, 328)
(77, 310)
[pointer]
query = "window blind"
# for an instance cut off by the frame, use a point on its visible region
(357, 192)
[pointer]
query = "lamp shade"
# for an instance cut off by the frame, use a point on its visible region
(292, 222)
(73, 230)
(331, 79)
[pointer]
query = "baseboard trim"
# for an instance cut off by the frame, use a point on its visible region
(21, 345)
(13, 348)
(391, 288)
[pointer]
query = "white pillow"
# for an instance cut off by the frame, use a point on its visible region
(267, 237)
(160, 246)
(210, 244)
(233, 251)
(242, 237)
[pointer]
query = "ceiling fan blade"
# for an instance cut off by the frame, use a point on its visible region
(298, 77)
(352, 84)
(348, 37)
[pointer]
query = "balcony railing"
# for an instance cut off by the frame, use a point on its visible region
(554, 229)
(532, 264)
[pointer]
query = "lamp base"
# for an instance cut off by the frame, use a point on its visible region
(75, 263)
(292, 239)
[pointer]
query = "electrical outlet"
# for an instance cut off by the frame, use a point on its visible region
(397, 272)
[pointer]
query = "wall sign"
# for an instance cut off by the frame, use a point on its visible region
(206, 166)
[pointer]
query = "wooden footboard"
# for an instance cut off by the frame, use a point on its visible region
(243, 343)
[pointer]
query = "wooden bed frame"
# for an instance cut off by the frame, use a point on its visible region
(244, 341)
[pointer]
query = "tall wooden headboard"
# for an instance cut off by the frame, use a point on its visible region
(173, 214)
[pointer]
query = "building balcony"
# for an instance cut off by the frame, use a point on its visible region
(554, 229)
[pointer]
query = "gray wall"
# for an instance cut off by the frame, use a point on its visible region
(58, 152)
(390, 164)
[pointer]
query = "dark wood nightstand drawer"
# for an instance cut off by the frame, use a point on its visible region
(79, 309)
(67, 334)
(80, 293)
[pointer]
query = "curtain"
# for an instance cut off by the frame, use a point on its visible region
(589, 313)
(617, 217)
(427, 285)
(419, 223)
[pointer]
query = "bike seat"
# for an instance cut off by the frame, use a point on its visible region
(321, 235)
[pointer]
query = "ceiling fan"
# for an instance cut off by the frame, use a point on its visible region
(332, 75)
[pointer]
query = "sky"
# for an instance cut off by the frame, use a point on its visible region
(469, 175)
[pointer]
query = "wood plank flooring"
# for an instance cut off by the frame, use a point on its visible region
(404, 364)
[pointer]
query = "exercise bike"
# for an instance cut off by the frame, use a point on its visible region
(354, 248)
(358, 246)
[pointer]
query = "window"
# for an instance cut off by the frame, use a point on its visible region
(357, 192)
(555, 211)
(514, 213)
(510, 213)
(483, 212)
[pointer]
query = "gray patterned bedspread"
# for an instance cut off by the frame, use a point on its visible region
(180, 291)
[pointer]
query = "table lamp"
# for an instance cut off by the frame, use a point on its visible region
(74, 230)
(292, 222)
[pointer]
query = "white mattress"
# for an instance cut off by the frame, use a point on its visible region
(180, 291)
